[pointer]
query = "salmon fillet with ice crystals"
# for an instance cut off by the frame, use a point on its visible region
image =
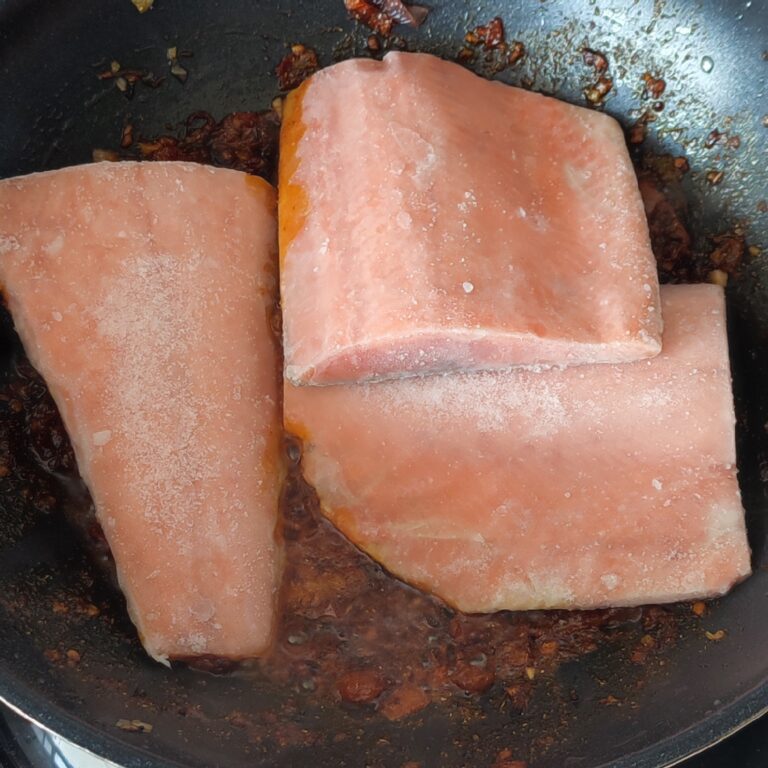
(431, 221)
(142, 294)
(591, 486)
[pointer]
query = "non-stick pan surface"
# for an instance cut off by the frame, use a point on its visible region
(54, 110)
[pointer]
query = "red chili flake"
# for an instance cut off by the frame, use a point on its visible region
(715, 177)
(373, 43)
(516, 52)
(382, 15)
(639, 130)
(549, 648)
(670, 239)
(713, 137)
(361, 687)
(639, 655)
(728, 253)
(658, 106)
(504, 760)
(127, 138)
(595, 59)
(245, 141)
(473, 679)
(654, 86)
(413, 15)
(367, 13)
(404, 701)
(637, 133)
(699, 608)
(491, 35)
(296, 67)
(492, 38)
(595, 94)
(734, 142)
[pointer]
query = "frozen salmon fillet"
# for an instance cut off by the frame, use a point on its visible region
(431, 220)
(142, 293)
(585, 487)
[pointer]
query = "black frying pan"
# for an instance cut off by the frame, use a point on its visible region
(599, 709)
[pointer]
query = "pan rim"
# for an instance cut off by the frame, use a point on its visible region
(671, 751)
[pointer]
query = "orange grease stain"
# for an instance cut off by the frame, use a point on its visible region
(295, 428)
(294, 203)
(263, 190)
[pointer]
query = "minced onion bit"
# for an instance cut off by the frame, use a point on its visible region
(126, 79)
(179, 72)
(134, 726)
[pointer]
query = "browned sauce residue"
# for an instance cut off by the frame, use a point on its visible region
(296, 66)
(352, 632)
(245, 141)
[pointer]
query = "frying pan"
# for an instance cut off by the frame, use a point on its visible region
(54, 111)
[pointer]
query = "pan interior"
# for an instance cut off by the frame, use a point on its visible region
(599, 710)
